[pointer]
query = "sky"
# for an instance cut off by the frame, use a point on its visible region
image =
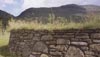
(15, 7)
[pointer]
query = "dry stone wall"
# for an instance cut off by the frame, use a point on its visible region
(56, 43)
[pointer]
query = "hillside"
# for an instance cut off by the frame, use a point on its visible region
(92, 8)
(70, 12)
(4, 17)
(63, 11)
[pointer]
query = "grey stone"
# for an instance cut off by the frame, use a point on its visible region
(29, 42)
(51, 42)
(22, 43)
(82, 35)
(12, 36)
(36, 52)
(32, 56)
(52, 46)
(74, 52)
(95, 35)
(89, 56)
(52, 50)
(61, 41)
(44, 55)
(67, 36)
(98, 55)
(37, 34)
(25, 51)
(55, 53)
(89, 52)
(79, 43)
(95, 47)
(30, 35)
(40, 47)
(47, 37)
(96, 41)
(21, 37)
(62, 47)
(84, 47)
(56, 56)
(36, 38)
(67, 42)
(25, 34)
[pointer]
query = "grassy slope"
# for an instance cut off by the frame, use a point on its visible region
(4, 39)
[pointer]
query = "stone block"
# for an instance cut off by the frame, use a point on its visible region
(79, 43)
(82, 35)
(51, 42)
(89, 52)
(95, 47)
(90, 56)
(52, 50)
(56, 56)
(37, 34)
(62, 48)
(32, 56)
(95, 35)
(36, 38)
(46, 37)
(56, 53)
(61, 41)
(96, 41)
(66, 35)
(25, 51)
(84, 48)
(52, 46)
(36, 52)
(12, 35)
(44, 55)
(40, 47)
(25, 34)
(74, 52)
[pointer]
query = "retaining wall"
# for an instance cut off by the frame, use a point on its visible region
(56, 43)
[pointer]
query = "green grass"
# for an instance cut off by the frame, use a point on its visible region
(4, 40)
(4, 47)
(4, 51)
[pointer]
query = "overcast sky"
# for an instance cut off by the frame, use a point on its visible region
(15, 7)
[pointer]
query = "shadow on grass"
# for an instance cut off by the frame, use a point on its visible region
(4, 51)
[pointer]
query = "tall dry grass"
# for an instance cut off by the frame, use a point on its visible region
(41, 26)
(92, 21)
